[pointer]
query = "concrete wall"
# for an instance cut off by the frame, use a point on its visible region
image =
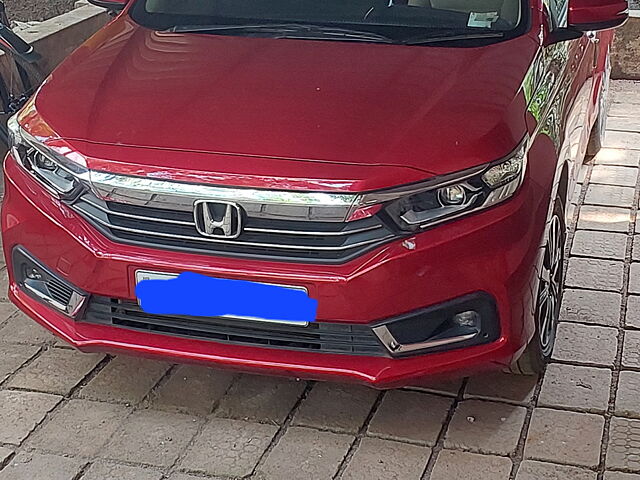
(59, 36)
(626, 52)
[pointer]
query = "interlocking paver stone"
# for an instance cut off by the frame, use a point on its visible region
(503, 387)
(6, 311)
(152, 438)
(623, 110)
(589, 243)
(614, 175)
(114, 471)
(21, 329)
(564, 437)
(12, 357)
(586, 344)
(623, 451)
(342, 408)
(454, 465)
(595, 274)
(56, 370)
(618, 156)
(28, 466)
(608, 219)
(634, 278)
(628, 395)
(628, 140)
(632, 319)
(534, 470)
(260, 399)
(410, 416)
(570, 386)
(588, 306)
(376, 458)
(125, 379)
(20, 412)
(621, 476)
(303, 453)
(631, 349)
(625, 91)
(80, 427)
(635, 253)
(485, 427)
(205, 387)
(229, 447)
(611, 196)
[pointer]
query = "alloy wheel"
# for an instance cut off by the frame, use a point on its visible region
(551, 284)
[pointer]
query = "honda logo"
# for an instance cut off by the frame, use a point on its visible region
(218, 219)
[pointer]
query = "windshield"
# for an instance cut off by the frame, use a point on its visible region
(393, 18)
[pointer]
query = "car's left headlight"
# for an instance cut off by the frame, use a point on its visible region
(61, 176)
(415, 207)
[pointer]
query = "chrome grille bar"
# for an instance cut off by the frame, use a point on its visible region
(136, 217)
(274, 231)
(151, 233)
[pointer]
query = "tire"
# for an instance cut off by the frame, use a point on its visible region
(596, 140)
(547, 311)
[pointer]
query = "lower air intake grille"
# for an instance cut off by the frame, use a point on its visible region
(316, 337)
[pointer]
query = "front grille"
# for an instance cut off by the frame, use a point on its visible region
(317, 337)
(274, 238)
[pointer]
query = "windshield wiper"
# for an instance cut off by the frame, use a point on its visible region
(450, 37)
(287, 30)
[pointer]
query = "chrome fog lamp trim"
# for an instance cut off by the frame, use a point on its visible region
(394, 347)
(71, 309)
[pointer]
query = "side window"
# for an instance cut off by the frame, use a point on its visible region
(559, 10)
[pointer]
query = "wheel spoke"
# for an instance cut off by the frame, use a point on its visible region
(543, 296)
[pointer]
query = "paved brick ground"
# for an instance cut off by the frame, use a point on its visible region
(68, 416)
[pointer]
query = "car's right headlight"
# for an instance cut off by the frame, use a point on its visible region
(61, 176)
(416, 207)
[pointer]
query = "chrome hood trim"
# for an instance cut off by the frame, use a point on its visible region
(150, 192)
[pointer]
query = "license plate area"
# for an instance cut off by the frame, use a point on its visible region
(141, 275)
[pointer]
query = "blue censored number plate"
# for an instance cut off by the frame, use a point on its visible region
(198, 295)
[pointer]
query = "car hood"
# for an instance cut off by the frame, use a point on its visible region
(417, 109)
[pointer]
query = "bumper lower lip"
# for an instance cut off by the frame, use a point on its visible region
(378, 372)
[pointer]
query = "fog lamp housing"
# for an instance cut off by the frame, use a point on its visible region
(463, 322)
(42, 284)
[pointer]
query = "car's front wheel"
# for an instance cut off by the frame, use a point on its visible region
(548, 300)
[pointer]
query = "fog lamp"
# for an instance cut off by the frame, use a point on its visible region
(34, 274)
(468, 319)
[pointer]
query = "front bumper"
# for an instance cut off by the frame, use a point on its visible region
(494, 252)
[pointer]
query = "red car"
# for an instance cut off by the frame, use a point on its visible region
(406, 164)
